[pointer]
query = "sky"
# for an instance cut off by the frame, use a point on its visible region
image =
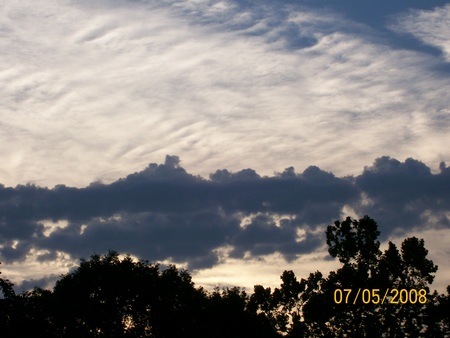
(222, 136)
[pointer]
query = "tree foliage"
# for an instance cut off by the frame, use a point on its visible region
(110, 296)
(310, 308)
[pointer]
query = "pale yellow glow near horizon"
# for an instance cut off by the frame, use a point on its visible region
(247, 272)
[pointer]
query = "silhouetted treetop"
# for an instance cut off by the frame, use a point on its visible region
(116, 296)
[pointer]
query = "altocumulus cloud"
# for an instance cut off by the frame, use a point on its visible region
(110, 85)
(165, 213)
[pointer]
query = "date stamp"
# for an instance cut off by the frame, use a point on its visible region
(375, 296)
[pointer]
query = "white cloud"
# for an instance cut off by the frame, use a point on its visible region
(50, 226)
(432, 27)
(96, 91)
(32, 268)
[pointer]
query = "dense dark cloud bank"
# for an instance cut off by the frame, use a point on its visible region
(163, 212)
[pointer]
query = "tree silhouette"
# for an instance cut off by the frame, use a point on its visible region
(110, 296)
(308, 308)
(107, 296)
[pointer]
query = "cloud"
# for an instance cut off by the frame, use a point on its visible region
(46, 282)
(165, 213)
(98, 90)
(405, 195)
(431, 27)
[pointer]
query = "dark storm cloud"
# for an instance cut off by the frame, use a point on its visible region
(44, 282)
(163, 212)
(406, 194)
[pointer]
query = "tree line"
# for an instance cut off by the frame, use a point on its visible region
(372, 294)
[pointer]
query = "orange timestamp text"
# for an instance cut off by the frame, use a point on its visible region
(374, 296)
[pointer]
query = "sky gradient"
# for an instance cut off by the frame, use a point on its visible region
(212, 104)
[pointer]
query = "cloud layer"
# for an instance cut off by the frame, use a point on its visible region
(96, 90)
(165, 213)
(430, 27)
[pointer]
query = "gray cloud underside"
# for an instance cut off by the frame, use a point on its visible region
(163, 212)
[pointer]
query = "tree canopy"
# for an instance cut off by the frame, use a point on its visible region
(110, 296)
